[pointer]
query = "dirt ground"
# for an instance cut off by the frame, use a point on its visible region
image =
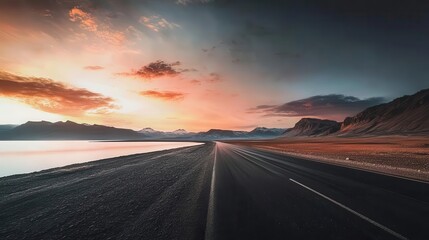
(398, 155)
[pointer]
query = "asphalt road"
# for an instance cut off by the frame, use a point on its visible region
(259, 194)
(158, 195)
(211, 191)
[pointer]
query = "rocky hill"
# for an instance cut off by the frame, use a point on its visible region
(404, 115)
(313, 127)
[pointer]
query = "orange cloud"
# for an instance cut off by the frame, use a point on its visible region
(54, 97)
(90, 23)
(157, 23)
(94, 68)
(164, 95)
(86, 20)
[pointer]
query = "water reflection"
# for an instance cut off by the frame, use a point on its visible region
(29, 156)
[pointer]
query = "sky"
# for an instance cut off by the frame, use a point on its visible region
(202, 64)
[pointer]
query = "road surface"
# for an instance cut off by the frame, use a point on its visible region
(158, 195)
(259, 194)
(212, 191)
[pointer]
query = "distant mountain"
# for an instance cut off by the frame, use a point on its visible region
(154, 134)
(257, 133)
(263, 132)
(217, 134)
(148, 130)
(404, 115)
(181, 132)
(67, 131)
(7, 127)
(313, 127)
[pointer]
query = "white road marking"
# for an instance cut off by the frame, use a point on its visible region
(353, 211)
(210, 211)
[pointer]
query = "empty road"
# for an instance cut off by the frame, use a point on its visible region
(259, 194)
(211, 191)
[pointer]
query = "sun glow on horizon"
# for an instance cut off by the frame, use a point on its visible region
(150, 64)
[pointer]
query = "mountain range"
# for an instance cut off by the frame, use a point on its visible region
(179, 133)
(69, 130)
(407, 115)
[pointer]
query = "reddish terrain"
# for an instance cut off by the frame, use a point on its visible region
(399, 155)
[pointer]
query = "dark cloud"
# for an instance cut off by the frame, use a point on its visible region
(256, 29)
(158, 69)
(195, 82)
(287, 55)
(94, 68)
(206, 50)
(334, 106)
(263, 107)
(186, 2)
(54, 97)
(214, 77)
(164, 95)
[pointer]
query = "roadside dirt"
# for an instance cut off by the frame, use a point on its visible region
(398, 155)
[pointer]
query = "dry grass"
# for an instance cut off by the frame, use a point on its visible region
(399, 155)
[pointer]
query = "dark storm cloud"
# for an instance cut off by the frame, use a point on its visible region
(335, 106)
(51, 96)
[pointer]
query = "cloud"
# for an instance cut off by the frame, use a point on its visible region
(90, 23)
(207, 50)
(157, 23)
(186, 2)
(164, 95)
(94, 68)
(54, 97)
(86, 20)
(210, 78)
(195, 82)
(158, 69)
(214, 77)
(259, 108)
(335, 106)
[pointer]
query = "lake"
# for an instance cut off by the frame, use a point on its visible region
(29, 156)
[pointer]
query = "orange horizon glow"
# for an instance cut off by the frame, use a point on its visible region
(100, 73)
(68, 61)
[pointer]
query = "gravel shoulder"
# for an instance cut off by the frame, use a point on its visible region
(157, 195)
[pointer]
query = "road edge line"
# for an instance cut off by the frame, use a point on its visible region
(352, 211)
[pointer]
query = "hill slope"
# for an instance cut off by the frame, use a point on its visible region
(313, 127)
(67, 131)
(404, 115)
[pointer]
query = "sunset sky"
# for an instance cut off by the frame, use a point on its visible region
(201, 64)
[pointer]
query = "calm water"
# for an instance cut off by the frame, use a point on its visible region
(29, 156)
